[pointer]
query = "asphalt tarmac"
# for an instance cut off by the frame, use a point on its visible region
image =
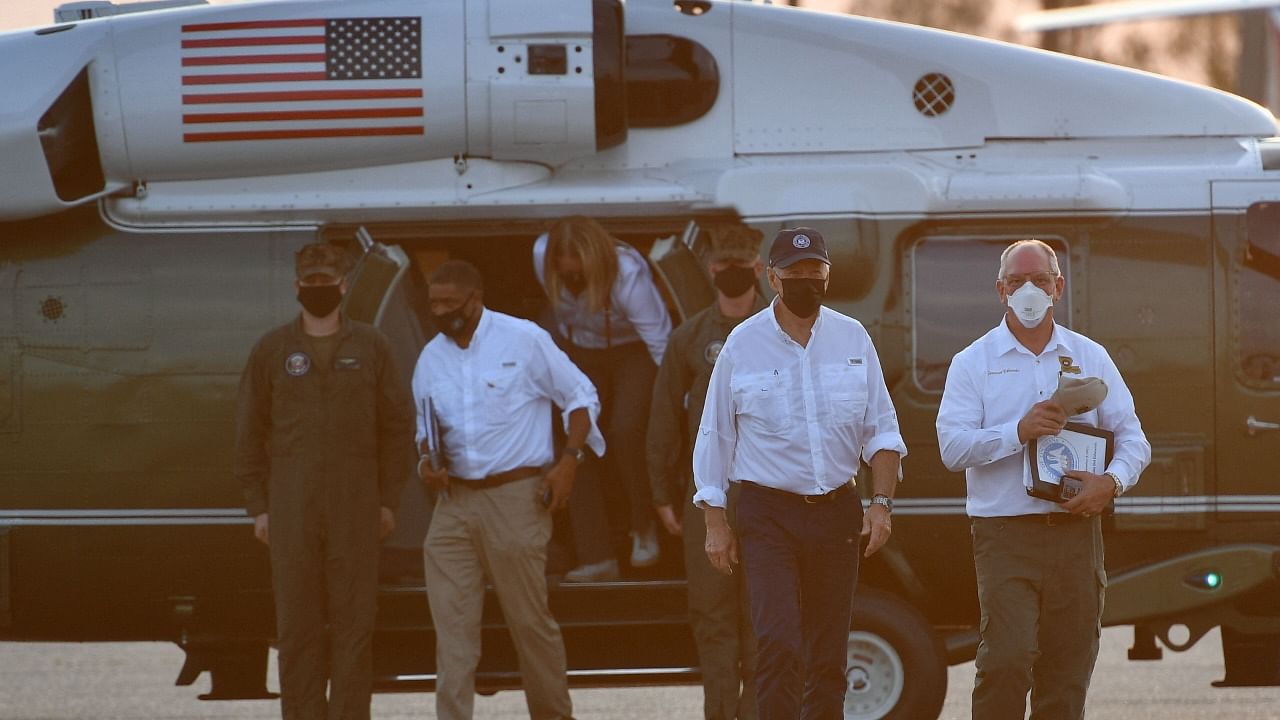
(134, 682)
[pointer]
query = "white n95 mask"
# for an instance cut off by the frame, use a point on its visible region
(1029, 303)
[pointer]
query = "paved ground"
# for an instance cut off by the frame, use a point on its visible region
(133, 682)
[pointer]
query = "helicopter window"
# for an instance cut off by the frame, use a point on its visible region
(1257, 295)
(670, 80)
(954, 301)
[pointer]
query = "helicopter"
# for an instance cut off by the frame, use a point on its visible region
(161, 165)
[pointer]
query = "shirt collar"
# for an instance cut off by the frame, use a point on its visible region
(773, 318)
(1006, 343)
(482, 327)
(477, 337)
(344, 327)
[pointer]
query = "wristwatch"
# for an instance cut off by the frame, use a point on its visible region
(1119, 486)
(577, 454)
(885, 500)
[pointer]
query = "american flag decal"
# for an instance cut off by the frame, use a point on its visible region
(307, 78)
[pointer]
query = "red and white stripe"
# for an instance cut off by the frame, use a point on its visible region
(266, 80)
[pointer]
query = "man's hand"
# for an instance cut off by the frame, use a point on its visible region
(260, 529)
(387, 523)
(1044, 418)
(560, 482)
(667, 515)
(1094, 497)
(722, 543)
(433, 480)
(877, 526)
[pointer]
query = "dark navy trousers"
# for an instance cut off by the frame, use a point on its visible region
(801, 565)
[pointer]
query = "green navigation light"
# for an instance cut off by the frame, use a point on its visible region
(1204, 579)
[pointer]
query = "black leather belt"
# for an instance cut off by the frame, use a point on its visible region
(808, 499)
(497, 479)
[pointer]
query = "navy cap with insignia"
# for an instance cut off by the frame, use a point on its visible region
(792, 245)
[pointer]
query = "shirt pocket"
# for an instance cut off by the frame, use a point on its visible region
(761, 401)
(844, 388)
(1007, 392)
(503, 392)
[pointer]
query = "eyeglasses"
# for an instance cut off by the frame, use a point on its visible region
(1043, 280)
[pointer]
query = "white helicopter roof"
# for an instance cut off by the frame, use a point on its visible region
(795, 86)
(857, 79)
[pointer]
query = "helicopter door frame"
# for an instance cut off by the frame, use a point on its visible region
(679, 269)
(377, 274)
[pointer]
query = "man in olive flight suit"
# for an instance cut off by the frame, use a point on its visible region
(717, 602)
(324, 438)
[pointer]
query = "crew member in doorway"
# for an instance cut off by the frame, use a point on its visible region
(490, 381)
(324, 431)
(796, 399)
(718, 608)
(615, 326)
(1039, 564)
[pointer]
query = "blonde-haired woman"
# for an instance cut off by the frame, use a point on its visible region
(614, 325)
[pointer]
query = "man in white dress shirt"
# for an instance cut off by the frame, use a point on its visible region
(492, 379)
(796, 398)
(1039, 564)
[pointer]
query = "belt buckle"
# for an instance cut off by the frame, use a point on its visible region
(811, 499)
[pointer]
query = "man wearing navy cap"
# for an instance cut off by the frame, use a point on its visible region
(796, 398)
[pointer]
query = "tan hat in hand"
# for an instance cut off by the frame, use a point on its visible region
(1078, 396)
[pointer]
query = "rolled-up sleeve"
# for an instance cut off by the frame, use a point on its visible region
(880, 421)
(962, 440)
(1118, 414)
(717, 437)
(567, 386)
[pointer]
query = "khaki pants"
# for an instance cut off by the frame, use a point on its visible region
(500, 533)
(1040, 588)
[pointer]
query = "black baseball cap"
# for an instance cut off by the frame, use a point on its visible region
(792, 245)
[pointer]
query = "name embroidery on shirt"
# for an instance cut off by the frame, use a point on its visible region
(1003, 371)
(856, 362)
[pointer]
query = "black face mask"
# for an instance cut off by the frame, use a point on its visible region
(320, 300)
(735, 280)
(803, 296)
(453, 323)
